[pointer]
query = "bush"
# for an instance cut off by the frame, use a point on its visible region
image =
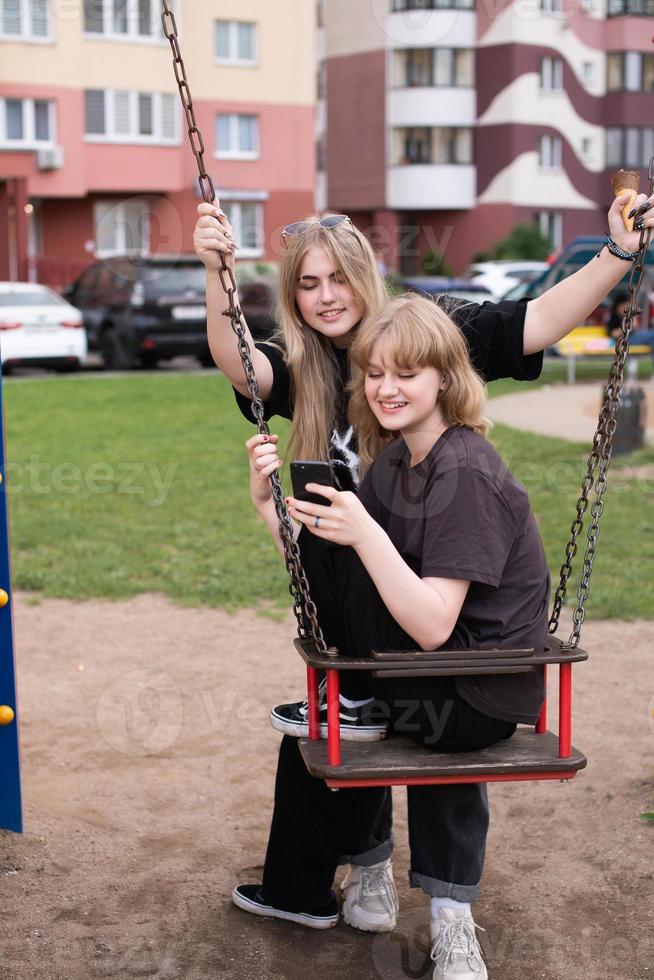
(394, 283)
(522, 242)
(433, 264)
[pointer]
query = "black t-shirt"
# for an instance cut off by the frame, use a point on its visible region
(460, 514)
(495, 336)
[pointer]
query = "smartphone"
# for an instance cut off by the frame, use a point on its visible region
(307, 471)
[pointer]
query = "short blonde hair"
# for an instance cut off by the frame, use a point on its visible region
(416, 332)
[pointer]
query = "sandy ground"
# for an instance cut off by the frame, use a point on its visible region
(566, 411)
(148, 767)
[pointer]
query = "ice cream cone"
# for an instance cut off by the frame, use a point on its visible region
(623, 181)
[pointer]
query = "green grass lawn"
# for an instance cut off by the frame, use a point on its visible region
(119, 486)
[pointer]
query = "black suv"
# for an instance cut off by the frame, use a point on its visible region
(141, 310)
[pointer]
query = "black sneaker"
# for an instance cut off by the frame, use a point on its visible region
(356, 723)
(250, 899)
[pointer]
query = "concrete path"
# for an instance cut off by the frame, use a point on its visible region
(565, 411)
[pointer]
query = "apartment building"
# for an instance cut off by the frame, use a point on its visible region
(444, 124)
(94, 158)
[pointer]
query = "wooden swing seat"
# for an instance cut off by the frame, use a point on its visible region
(531, 754)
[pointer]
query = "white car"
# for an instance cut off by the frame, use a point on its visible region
(38, 328)
(504, 274)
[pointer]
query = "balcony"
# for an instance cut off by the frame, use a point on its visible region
(431, 107)
(451, 27)
(427, 187)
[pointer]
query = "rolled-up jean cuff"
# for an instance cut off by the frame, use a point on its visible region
(443, 889)
(373, 856)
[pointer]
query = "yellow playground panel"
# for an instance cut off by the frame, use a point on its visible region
(590, 342)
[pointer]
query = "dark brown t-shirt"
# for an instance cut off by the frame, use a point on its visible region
(460, 514)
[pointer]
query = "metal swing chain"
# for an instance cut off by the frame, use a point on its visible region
(303, 606)
(600, 455)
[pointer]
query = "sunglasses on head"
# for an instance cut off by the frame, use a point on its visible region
(329, 221)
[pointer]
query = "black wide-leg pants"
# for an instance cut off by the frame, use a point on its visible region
(314, 828)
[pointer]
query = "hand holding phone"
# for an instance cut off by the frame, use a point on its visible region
(312, 471)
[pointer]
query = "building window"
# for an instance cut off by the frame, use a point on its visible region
(633, 8)
(131, 117)
(25, 20)
(554, 8)
(587, 71)
(550, 225)
(26, 123)
(429, 67)
(435, 145)
(124, 19)
(401, 5)
(235, 42)
(122, 227)
(551, 75)
(321, 154)
(321, 82)
(550, 152)
(629, 71)
(630, 147)
(237, 136)
(246, 219)
(416, 67)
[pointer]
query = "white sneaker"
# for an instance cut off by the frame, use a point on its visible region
(369, 897)
(455, 949)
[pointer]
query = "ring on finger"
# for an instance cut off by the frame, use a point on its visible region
(316, 522)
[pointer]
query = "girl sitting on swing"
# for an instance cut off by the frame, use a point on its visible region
(329, 288)
(439, 548)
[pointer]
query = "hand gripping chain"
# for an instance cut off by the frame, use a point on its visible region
(303, 606)
(600, 455)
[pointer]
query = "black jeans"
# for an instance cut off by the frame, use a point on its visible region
(313, 828)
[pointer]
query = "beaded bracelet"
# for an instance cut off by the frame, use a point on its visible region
(617, 251)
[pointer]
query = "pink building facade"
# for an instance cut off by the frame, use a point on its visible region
(94, 158)
(446, 124)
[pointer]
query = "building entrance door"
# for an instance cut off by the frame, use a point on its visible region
(13, 229)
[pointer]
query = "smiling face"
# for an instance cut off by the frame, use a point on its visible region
(404, 399)
(325, 299)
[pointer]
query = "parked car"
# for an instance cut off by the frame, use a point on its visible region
(461, 289)
(39, 329)
(140, 310)
(503, 274)
(577, 254)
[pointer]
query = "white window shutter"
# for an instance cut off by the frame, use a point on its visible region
(122, 125)
(168, 117)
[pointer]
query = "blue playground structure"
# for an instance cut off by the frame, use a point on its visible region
(11, 817)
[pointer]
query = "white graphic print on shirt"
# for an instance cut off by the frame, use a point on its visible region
(344, 456)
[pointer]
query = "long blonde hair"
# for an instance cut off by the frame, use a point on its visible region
(316, 387)
(415, 331)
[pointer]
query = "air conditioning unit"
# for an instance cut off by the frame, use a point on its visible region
(50, 158)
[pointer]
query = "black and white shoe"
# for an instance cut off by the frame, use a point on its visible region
(356, 723)
(250, 899)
